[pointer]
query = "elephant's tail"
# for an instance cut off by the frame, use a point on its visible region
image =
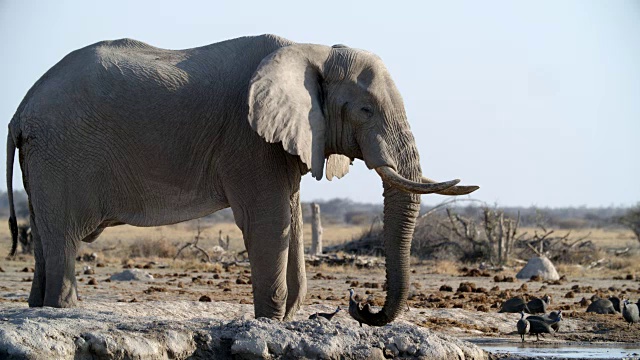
(13, 224)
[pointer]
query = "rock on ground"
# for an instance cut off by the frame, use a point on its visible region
(540, 266)
(196, 330)
(132, 274)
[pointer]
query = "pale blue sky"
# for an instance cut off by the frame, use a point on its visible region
(537, 102)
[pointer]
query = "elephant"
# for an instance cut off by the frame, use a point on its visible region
(121, 132)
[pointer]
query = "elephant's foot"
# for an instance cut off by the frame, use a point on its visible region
(36, 297)
(270, 303)
(65, 298)
(292, 310)
(61, 288)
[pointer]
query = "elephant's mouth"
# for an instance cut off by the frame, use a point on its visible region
(426, 186)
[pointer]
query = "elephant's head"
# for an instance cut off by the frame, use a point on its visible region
(337, 104)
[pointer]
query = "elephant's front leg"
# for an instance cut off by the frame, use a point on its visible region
(266, 234)
(296, 275)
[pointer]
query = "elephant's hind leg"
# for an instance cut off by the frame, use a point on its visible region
(60, 249)
(36, 296)
(59, 233)
(296, 275)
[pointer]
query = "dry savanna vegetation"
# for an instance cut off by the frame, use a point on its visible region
(463, 258)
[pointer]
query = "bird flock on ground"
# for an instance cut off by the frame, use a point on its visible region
(539, 322)
(550, 323)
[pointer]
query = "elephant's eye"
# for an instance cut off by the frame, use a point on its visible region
(367, 111)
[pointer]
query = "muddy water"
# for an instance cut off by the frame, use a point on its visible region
(557, 350)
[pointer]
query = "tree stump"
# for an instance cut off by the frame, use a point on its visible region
(316, 230)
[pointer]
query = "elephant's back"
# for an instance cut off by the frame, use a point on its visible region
(120, 76)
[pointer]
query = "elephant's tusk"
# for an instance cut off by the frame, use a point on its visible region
(391, 177)
(454, 190)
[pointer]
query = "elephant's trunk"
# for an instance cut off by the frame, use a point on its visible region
(401, 209)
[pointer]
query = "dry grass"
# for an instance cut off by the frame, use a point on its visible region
(604, 238)
(161, 243)
(160, 248)
(445, 267)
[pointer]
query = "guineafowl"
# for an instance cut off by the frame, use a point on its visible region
(522, 325)
(616, 301)
(630, 312)
(539, 327)
(354, 307)
(553, 319)
(327, 316)
(539, 306)
(601, 306)
(514, 305)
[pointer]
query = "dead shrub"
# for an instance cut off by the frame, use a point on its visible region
(146, 248)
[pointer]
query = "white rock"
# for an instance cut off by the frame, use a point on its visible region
(540, 266)
(402, 343)
(250, 348)
(132, 274)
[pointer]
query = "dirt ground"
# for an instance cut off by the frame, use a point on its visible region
(463, 303)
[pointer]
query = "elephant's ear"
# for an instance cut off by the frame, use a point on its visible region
(285, 102)
(337, 165)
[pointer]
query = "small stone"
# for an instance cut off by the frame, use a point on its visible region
(402, 343)
(250, 348)
(204, 298)
(391, 350)
(584, 302)
(446, 288)
(375, 354)
(81, 345)
(570, 295)
(132, 275)
(92, 281)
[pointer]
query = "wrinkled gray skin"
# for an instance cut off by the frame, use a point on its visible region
(121, 132)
